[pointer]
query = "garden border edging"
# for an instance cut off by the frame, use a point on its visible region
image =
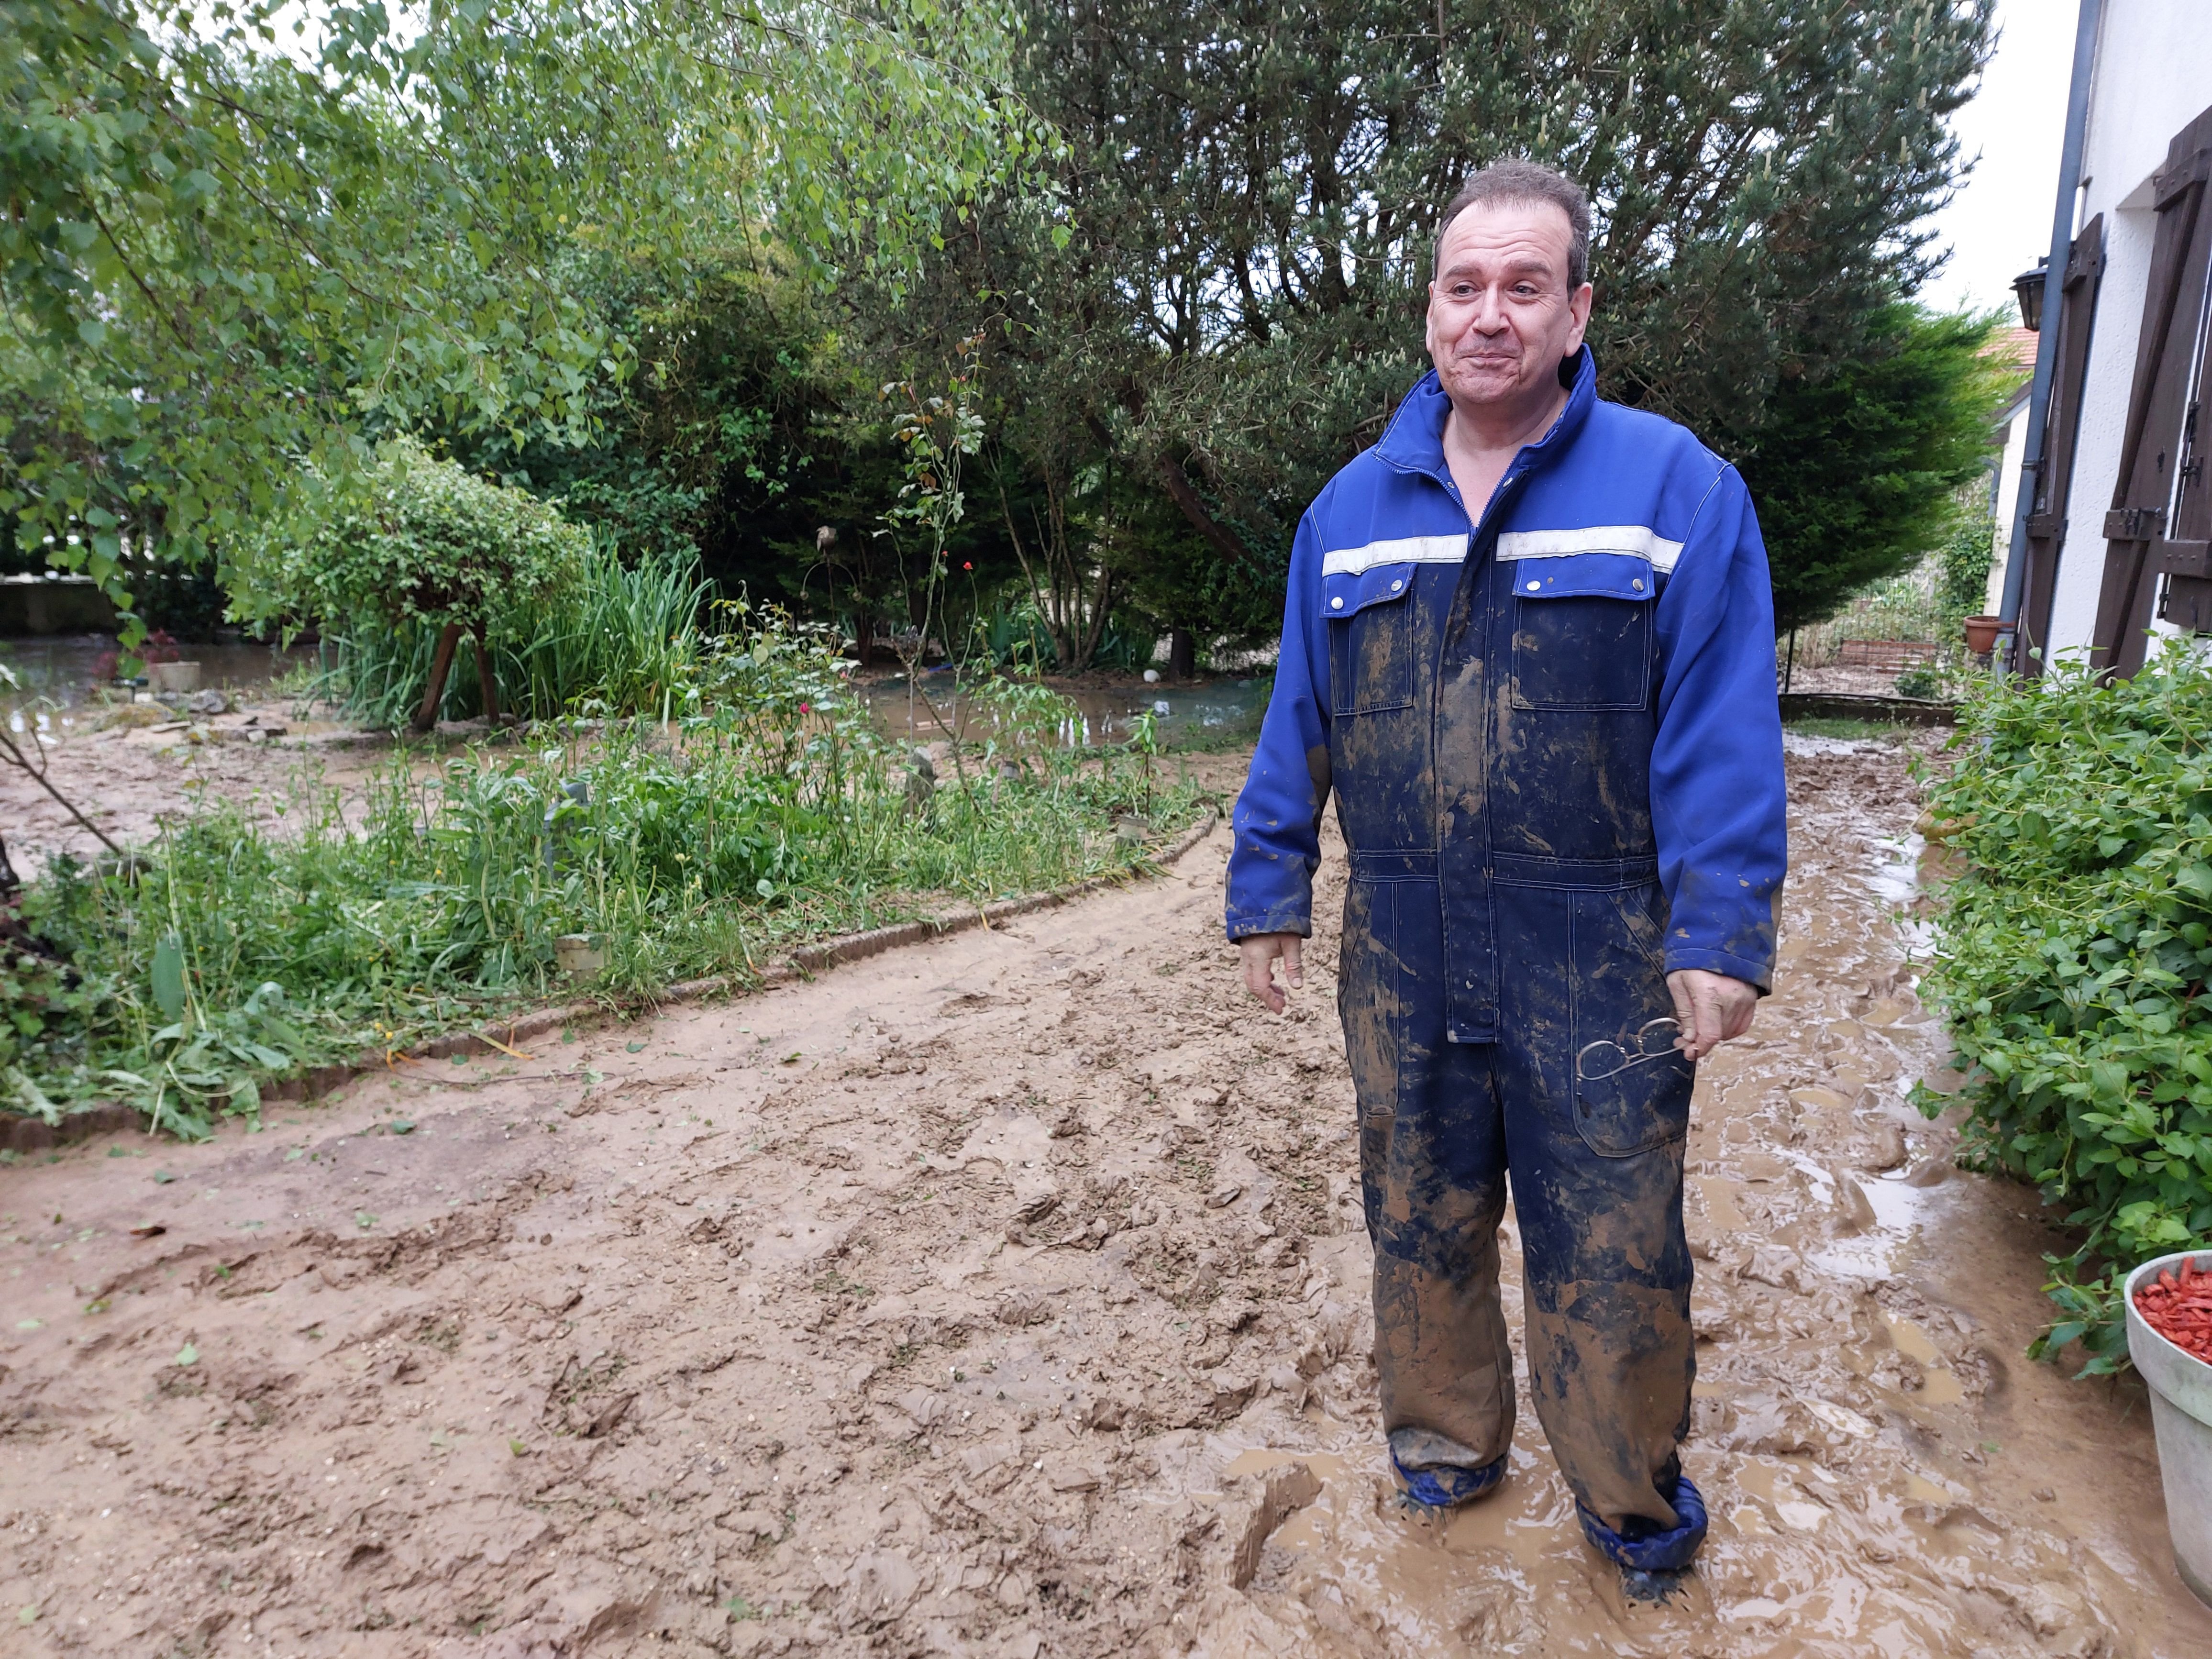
(31, 1134)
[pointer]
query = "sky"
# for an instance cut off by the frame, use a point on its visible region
(2000, 221)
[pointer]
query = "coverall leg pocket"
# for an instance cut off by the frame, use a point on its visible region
(1631, 1086)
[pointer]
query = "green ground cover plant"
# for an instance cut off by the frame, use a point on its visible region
(767, 808)
(2072, 962)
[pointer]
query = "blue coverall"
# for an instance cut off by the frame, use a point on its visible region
(1556, 749)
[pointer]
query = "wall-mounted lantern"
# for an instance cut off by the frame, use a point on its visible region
(2028, 286)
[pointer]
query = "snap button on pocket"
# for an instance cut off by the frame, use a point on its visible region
(1535, 588)
(1394, 586)
(1336, 605)
(1637, 583)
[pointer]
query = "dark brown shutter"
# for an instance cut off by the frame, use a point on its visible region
(2046, 527)
(2158, 447)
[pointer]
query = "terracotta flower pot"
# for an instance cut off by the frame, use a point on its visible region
(1982, 633)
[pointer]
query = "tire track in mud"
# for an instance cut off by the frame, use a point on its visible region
(1008, 1298)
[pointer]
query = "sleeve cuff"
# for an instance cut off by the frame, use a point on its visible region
(1757, 974)
(1287, 920)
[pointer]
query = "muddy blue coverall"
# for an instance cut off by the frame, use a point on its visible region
(1557, 755)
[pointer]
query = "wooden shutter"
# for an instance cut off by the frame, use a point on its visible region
(2157, 526)
(2076, 318)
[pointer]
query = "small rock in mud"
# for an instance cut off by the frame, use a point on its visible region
(1024, 1306)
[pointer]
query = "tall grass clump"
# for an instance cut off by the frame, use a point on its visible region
(767, 808)
(2072, 964)
(628, 638)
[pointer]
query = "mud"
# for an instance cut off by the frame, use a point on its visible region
(143, 761)
(1008, 1297)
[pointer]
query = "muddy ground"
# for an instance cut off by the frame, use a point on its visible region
(1007, 1297)
(146, 762)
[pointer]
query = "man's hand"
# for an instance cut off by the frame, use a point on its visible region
(1260, 951)
(1711, 1008)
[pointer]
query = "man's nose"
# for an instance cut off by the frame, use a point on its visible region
(1489, 313)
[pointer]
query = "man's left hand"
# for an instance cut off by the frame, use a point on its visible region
(1711, 1008)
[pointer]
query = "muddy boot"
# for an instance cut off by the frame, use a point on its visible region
(1652, 1558)
(1437, 1471)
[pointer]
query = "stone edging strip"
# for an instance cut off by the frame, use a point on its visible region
(30, 1134)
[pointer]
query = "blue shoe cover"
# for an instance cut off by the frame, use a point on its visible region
(1644, 1548)
(1448, 1486)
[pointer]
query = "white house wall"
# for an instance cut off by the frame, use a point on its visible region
(2153, 76)
(2004, 498)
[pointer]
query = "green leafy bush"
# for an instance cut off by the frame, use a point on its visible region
(417, 539)
(410, 543)
(768, 810)
(2073, 960)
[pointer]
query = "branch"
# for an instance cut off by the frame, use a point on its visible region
(1218, 535)
(12, 752)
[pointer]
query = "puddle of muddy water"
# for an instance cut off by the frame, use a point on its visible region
(59, 678)
(1107, 714)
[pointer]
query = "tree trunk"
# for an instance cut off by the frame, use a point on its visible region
(1182, 654)
(441, 665)
(487, 687)
(1223, 540)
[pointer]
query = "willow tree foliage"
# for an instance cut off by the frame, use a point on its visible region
(1252, 191)
(239, 236)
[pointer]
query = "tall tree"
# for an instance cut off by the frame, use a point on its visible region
(1250, 193)
(217, 256)
(1858, 463)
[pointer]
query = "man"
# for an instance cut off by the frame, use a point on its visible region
(1529, 642)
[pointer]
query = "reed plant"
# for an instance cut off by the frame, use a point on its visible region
(626, 638)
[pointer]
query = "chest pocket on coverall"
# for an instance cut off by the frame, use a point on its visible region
(1371, 641)
(1581, 632)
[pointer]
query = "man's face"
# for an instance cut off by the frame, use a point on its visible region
(1501, 315)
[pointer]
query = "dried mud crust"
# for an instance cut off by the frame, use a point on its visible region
(1008, 1296)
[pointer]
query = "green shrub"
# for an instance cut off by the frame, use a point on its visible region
(2072, 965)
(767, 812)
(414, 539)
(411, 543)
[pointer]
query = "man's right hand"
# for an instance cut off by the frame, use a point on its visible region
(1260, 951)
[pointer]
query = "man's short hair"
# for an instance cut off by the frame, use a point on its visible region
(1518, 180)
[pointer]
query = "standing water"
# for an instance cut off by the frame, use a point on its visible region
(1102, 714)
(57, 678)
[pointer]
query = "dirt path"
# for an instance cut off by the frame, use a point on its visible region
(1006, 1297)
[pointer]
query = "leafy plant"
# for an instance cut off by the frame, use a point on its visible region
(236, 234)
(2073, 963)
(413, 540)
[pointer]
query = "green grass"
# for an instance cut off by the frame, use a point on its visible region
(1855, 731)
(767, 813)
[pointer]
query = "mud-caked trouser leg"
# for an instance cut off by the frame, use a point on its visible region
(1432, 1152)
(1597, 1157)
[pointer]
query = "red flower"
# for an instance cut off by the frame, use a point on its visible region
(967, 564)
(806, 709)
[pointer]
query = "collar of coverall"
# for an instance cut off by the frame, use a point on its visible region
(1414, 441)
